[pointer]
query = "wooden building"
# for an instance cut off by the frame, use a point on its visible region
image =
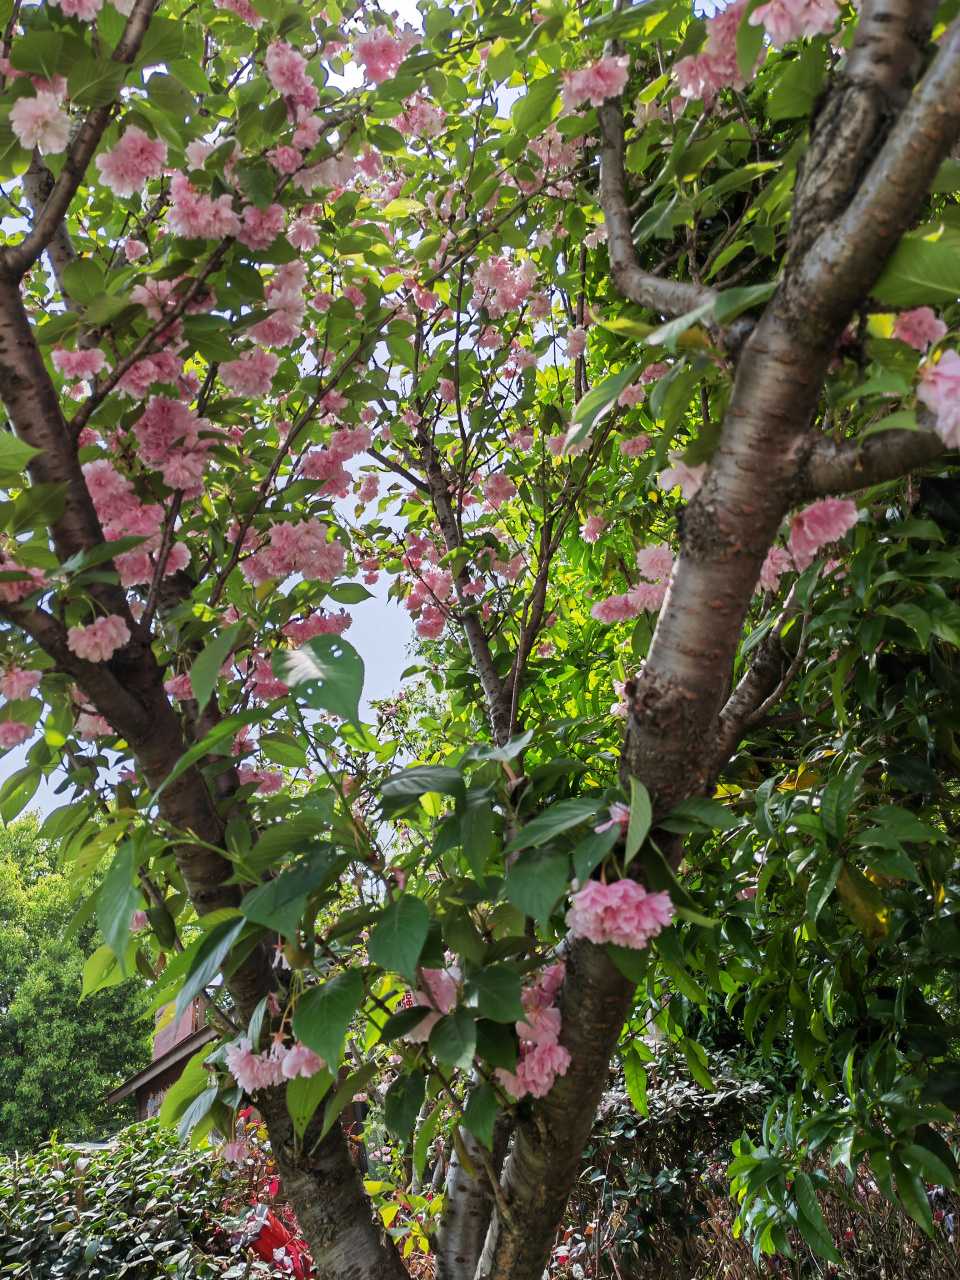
(173, 1047)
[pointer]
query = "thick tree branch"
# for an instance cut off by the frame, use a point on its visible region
(665, 297)
(16, 260)
(856, 114)
(469, 1204)
(37, 184)
(833, 466)
(550, 1136)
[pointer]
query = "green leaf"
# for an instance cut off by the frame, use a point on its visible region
(749, 42)
(162, 41)
(172, 97)
(83, 280)
(558, 818)
(402, 788)
(101, 970)
(207, 962)
(398, 939)
(636, 1081)
(453, 1040)
(667, 334)
(196, 1111)
(696, 1060)
(795, 90)
(532, 113)
(14, 454)
(206, 665)
(480, 1113)
(733, 302)
(919, 272)
(304, 1095)
(708, 813)
(597, 402)
(278, 904)
(257, 182)
(536, 881)
(349, 593)
(476, 832)
(38, 53)
(810, 1219)
(119, 898)
(424, 1139)
(95, 82)
(913, 1194)
(38, 507)
(592, 850)
(929, 1164)
(641, 815)
(495, 993)
(631, 962)
(496, 1044)
(402, 1104)
(344, 1095)
(326, 672)
(402, 1022)
(943, 934)
(323, 1014)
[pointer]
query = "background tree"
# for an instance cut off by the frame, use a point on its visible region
(58, 1057)
(266, 265)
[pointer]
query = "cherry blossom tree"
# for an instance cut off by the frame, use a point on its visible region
(608, 335)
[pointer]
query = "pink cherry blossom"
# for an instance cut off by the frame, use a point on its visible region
(536, 1071)
(498, 489)
(18, 684)
(302, 235)
(439, 997)
(448, 390)
(631, 396)
(140, 920)
(179, 688)
(703, 74)
(12, 733)
(592, 528)
(234, 1152)
(430, 624)
(244, 10)
(252, 374)
(778, 562)
(619, 813)
(85, 10)
(19, 589)
(134, 249)
(39, 122)
(83, 363)
(301, 1061)
(254, 1071)
(939, 390)
(615, 609)
(89, 727)
(623, 913)
(818, 524)
(655, 561)
(134, 159)
(595, 84)
(653, 373)
(296, 548)
(286, 68)
(541, 1026)
(635, 446)
(381, 53)
(576, 343)
(319, 624)
(100, 641)
(920, 327)
(680, 474)
(260, 226)
(268, 781)
(193, 215)
(788, 20)
(501, 285)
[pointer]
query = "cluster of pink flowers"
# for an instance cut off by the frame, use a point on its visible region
(787, 20)
(134, 159)
(84, 363)
(268, 781)
(260, 227)
(702, 75)
(818, 524)
(919, 328)
(541, 1057)
(681, 475)
(18, 684)
(592, 528)
(631, 396)
(252, 373)
(168, 433)
(287, 72)
(635, 446)
(501, 285)
(100, 641)
(265, 1070)
(296, 548)
(244, 10)
(163, 366)
(326, 463)
(318, 624)
(284, 297)
(595, 84)
(39, 122)
(19, 589)
(576, 343)
(778, 562)
(623, 913)
(498, 489)
(194, 216)
(655, 563)
(440, 997)
(121, 513)
(12, 733)
(380, 53)
(939, 390)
